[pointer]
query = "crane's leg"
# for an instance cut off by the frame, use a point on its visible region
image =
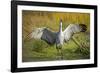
(60, 54)
(59, 51)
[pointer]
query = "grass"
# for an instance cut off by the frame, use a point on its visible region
(39, 50)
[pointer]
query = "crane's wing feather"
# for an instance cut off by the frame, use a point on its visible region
(67, 33)
(44, 34)
(72, 29)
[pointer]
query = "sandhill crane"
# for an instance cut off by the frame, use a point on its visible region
(59, 37)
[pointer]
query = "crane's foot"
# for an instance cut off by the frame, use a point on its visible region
(58, 57)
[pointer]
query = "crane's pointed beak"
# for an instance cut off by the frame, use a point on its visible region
(60, 20)
(83, 27)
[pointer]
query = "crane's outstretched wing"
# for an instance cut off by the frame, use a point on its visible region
(68, 32)
(72, 29)
(44, 34)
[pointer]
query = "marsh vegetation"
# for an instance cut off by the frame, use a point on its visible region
(39, 50)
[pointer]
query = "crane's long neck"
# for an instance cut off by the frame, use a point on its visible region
(60, 29)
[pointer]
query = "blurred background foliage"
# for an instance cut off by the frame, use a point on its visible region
(38, 50)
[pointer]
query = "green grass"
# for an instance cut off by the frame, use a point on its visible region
(38, 50)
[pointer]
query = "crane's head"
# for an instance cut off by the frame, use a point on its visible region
(61, 23)
(83, 27)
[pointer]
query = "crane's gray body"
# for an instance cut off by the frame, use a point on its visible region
(60, 37)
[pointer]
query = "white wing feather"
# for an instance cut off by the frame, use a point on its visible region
(67, 33)
(70, 30)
